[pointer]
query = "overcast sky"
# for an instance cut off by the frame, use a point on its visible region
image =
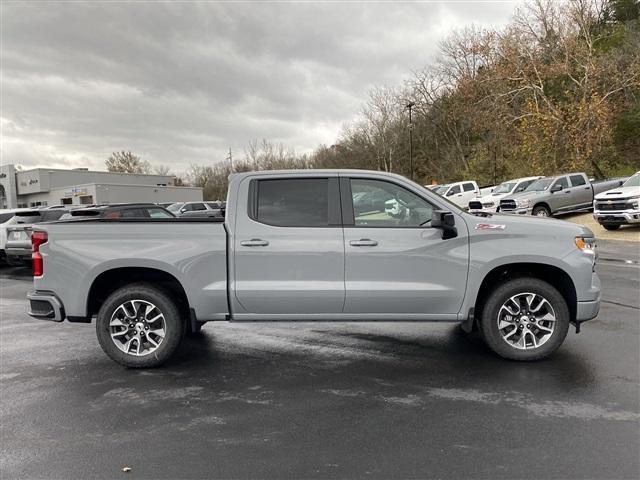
(181, 83)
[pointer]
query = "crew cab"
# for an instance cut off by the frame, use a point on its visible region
(551, 196)
(459, 193)
(292, 247)
(491, 202)
(619, 206)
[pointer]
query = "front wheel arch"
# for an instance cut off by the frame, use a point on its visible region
(555, 276)
(542, 205)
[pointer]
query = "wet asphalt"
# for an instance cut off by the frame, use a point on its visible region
(324, 400)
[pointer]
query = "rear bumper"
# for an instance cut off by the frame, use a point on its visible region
(18, 250)
(45, 306)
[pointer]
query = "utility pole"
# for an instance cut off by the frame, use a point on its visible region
(410, 106)
(230, 158)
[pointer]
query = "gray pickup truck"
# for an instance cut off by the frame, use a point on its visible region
(293, 248)
(551, 196)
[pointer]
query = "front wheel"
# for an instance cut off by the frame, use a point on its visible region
(525, 319)
(541, 211)
(139, 326)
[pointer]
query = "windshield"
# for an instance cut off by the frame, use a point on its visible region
(505, 187)
(540, 185)
(634, 181)
(174, 207)
(440, 190)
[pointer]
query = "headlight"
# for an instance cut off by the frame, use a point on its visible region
(524, 203)
(586, 244)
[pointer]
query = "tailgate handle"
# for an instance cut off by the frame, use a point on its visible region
(363, 242)
(254, 242)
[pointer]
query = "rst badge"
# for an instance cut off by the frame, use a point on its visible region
(490, 226)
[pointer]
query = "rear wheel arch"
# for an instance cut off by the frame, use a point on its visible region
(111, 280)
(551, 274)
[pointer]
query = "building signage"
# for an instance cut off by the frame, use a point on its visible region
(76, 192)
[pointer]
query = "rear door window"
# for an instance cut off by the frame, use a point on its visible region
(300, 202)
(577, 180)
(468, 187)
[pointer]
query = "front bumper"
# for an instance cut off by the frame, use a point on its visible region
(588, 309)
(518, 211)
(617, 217)
(45, 306)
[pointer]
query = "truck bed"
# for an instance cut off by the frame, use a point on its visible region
(192, 250)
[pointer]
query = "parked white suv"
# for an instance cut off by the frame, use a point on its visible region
(459, 193)
(491, 203)
(620, 205)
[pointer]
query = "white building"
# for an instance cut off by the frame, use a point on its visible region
(49, 186)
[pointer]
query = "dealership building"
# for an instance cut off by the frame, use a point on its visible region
(48, 186)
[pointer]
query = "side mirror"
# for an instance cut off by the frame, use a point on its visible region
(449, 193)
(183, 209)
(446, 221)
(556, 188)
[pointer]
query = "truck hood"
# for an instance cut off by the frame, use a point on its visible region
(491, 198)
(526, 226)
(528, 195)
(620, 192)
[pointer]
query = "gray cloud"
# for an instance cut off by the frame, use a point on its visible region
(180, 83)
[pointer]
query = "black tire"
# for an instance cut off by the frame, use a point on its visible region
(610, 226)
(489, 322)
(174, 325)
(541, 211)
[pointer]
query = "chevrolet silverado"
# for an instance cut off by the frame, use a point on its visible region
(292, 247)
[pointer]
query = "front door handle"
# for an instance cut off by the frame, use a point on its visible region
(254, 242)
(363, 242)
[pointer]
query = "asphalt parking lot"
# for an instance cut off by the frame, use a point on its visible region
(325, 400)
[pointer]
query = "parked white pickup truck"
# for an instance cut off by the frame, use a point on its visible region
(317, 245)
(619, 206)
(459, 193)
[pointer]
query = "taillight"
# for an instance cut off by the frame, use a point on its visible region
(37, 238)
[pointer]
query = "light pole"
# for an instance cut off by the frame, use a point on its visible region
(410, 106)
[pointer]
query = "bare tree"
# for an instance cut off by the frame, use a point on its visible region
(127, 162)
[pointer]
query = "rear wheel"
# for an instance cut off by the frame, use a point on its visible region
(525, 319)
(139, 326)
(541, 211)
(610, 226)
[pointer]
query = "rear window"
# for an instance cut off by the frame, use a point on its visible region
(300, 202)
(5, 217)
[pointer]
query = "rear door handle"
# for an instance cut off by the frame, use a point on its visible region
(254, 242)
(363, 242)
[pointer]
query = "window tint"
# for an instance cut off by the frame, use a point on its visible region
(562, 181)
(135, 213)
(468, 187)
(300, 202)
(51, 215)
(522, 186)
(577, 180)
(197, 206)
(455, 189)
(5, 217)
(383, 204)
(158, 213)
